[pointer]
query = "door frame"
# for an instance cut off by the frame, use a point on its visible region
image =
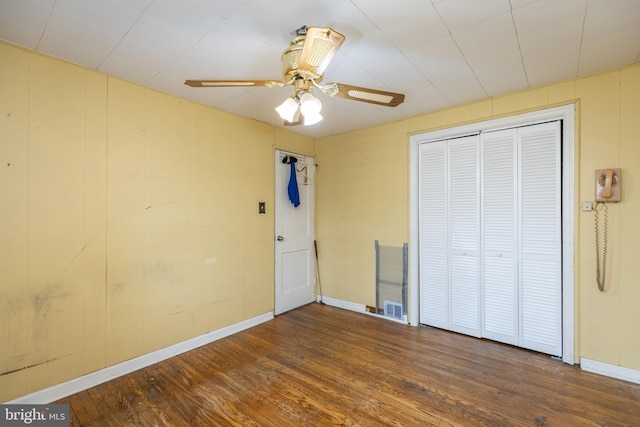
(278, 153)
(566, 113)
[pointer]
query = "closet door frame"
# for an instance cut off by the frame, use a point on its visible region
(565, 113)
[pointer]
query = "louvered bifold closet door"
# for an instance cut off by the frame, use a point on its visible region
(450, 234)
(433, 229)
(490, 236)
(499, 233)
(540, 238)
(464, 234)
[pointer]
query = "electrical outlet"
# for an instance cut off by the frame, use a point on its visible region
(587, 206)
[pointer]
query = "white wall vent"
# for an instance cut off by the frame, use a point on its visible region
(393, 309)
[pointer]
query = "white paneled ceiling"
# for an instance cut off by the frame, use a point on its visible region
(440, 53)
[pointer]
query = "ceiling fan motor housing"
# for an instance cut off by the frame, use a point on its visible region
(309, 53)
(291, 62)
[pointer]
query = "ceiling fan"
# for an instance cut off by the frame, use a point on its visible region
(303, 66)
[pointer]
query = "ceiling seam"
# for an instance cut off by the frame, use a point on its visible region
(44, 30)
(584, 20)
(124, 36)
(196, 41)
(515, 28)
(402, 52)
(453, 39)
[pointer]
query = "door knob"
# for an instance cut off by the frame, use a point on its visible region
(279, 238)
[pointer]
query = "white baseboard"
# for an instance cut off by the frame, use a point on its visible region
(358, 308)
(59, 391)
(613, 371)
(347, 305)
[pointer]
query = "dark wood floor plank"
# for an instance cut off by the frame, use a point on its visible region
(86, 406)
(279, 386)
(391, 376)
(135, 390)
(305, 391)
(376, 380)
(308, 362)
(453, 363)
(320, 365)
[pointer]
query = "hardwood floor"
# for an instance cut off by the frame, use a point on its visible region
(320, 365)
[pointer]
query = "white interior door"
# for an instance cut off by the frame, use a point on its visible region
(434, 235)
(540, 238)
(294, 249)
(449, 234)
(500, 236)
(464, 231)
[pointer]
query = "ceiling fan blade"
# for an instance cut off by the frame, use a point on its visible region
(320, 46)
(356, 93)
(233, 83)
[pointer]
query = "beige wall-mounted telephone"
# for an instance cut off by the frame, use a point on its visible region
(608, 186)
(608, 183)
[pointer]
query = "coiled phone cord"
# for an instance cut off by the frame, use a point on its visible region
(600, 279)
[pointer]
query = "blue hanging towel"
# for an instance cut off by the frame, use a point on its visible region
(294, 195)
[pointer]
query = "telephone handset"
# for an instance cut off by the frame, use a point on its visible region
(608, 186)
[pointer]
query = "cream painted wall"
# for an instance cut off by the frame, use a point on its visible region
(361, 196)
(363, 185)
(128, 220)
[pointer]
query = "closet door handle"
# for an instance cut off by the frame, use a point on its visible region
(279, 238)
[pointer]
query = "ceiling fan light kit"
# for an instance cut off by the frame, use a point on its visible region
(303, 65)
(287, 110)
(309, 104)
(302, 103)
(312, 119)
